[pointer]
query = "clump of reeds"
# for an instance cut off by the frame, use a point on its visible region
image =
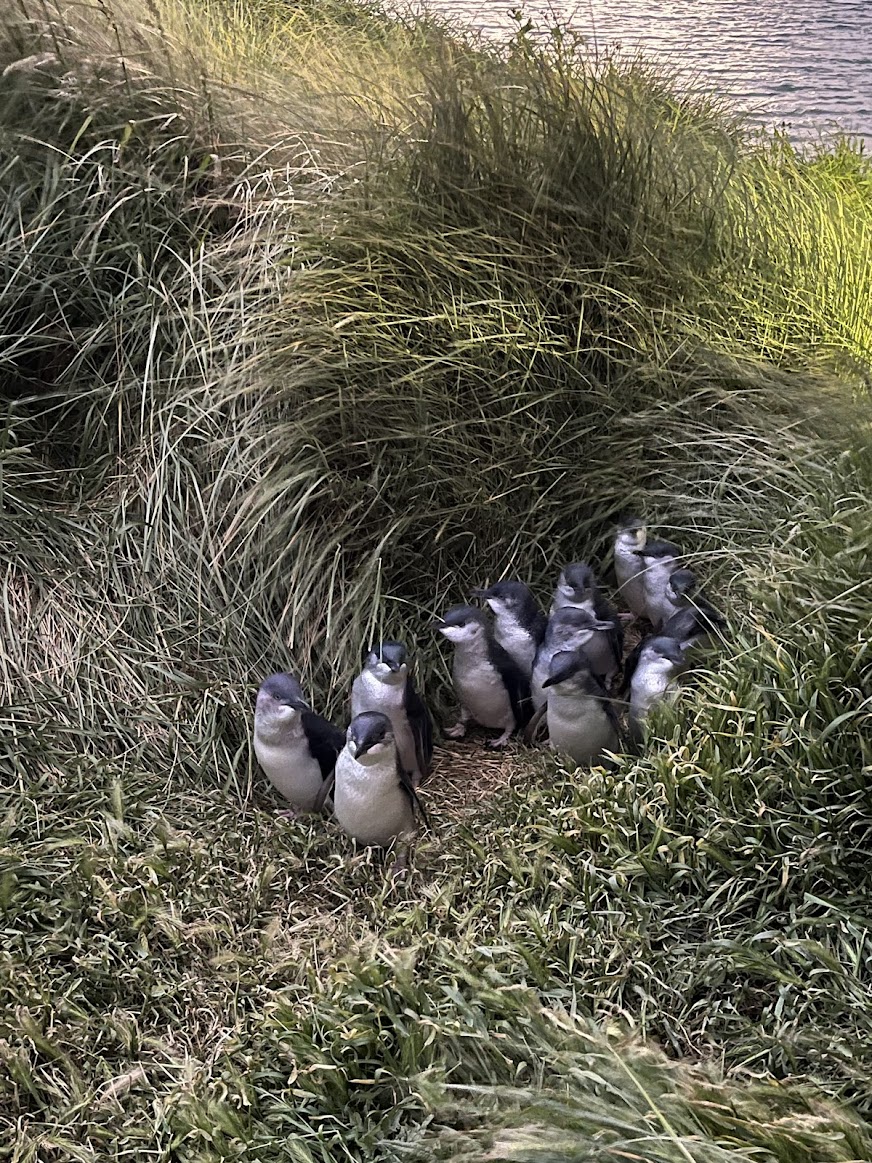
(313, 320)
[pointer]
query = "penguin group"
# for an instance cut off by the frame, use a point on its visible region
(513, 668)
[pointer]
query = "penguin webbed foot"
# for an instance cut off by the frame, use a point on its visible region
(502, 741)
(457, 731)
(400, 867)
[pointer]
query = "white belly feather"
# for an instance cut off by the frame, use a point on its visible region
(481, 691)
(291, 769)
(369, 803)
(580, 727)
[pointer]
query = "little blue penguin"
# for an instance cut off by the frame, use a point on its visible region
(490, 688)
(568, 629)
(386, 685)
(296, 748)
(519, 624)
(581, 720)
(577, 588)
(629, 539)
(650, 674)
(373, 798)
(694, 623)
(659, 559)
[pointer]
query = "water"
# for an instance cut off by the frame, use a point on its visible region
(805, 64)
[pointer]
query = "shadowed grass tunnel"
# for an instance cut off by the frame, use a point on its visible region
(311, 321)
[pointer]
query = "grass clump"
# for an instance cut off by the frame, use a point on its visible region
(314, 320)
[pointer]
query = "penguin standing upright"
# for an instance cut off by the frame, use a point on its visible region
(386, 685)
(568, 629)
(373, 797)
(687, 614)
(519, 624)
(490, 688)
(629, 539)
(651, 673)
(577, 588)
(296, 748)
(659, 559)
(581, 720)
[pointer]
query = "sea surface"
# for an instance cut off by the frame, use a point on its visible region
(802, 64)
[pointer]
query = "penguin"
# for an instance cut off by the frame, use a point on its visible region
(577, 587)
(568, 629)
(681, 595)
(581, 720)
(659, 559)
(386, 685)
(296, 748)
(519, 624)
(629, 538)
(694, 625)
(373, 797)
(490, 688)
(650, 674)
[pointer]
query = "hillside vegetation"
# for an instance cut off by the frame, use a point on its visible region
(311, 321)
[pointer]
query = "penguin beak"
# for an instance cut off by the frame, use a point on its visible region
(437, 624)
(550, 682)
(479, 594)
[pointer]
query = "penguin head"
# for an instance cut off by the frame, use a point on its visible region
(463, 624)
(369, 737)
(664, 653)
(505, 596)
(658, 552)
(577, 582)
(632, 533)
(572, 667)
(573, 627)
(388, 661)
(279, 700)
(682, 584)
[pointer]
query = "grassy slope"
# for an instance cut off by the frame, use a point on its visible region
(310, 324)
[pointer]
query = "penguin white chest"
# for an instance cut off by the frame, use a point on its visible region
(648, 688)
(516, 641)
(631, 579)
(369, 694)
(580, 727)
(291, 769)
(369, 803)
(481, 691)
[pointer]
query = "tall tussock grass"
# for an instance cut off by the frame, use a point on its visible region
(312, 320)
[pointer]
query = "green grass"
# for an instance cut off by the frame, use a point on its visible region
(310, 322)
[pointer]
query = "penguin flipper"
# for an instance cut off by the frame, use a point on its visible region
(326, 788)
(408, 789)
(516, 683)
(325, 741)
(606, 612)
(422, 727)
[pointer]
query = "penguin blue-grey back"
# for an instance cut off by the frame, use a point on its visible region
(296, 748)
(490, 688)
(581, 719)
(385, 684)
(519, 623)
